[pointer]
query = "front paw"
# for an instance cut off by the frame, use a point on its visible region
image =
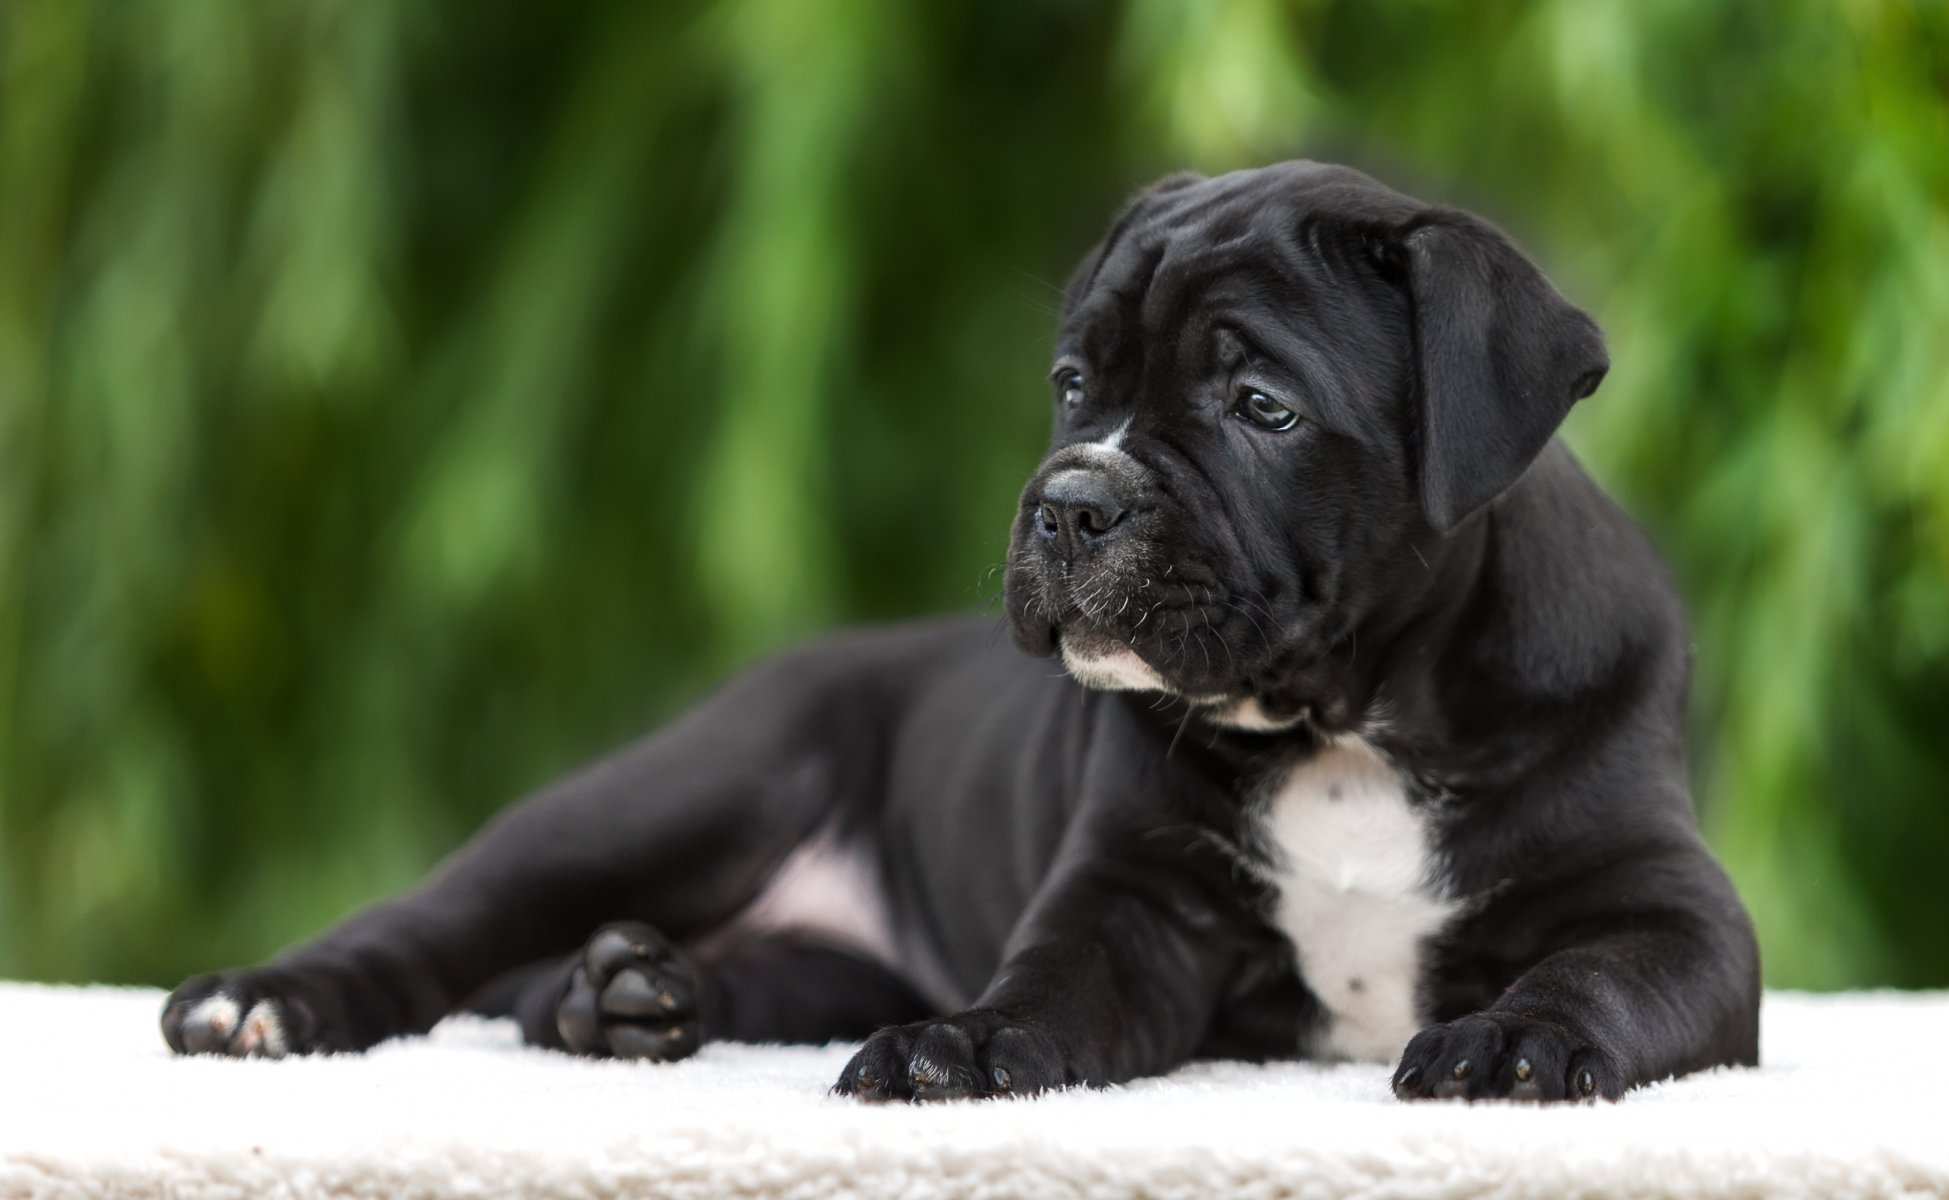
(243, 1014)
(1501, 1056)
(977, 1053)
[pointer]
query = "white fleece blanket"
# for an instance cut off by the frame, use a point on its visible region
(1852, 1102)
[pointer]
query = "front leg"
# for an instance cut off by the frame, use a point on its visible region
(1663, 984)
(1115, 973)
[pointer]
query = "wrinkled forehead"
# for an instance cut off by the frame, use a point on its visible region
(1265, 256)
(1246, 241)
(1170, 252)
(1164, 292)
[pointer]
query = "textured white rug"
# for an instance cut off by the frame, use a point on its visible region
(1850, 1103)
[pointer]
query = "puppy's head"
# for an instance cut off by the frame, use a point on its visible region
(1272, 390)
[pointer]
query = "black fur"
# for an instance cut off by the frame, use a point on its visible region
(1069, 873)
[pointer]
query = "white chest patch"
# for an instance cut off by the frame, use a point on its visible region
(1359, 893)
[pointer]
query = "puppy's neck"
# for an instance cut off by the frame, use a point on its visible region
(1358, 686)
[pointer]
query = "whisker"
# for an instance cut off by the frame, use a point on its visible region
(1036, 303)
(1231, 660)
(1172, 748)
(1242, 611)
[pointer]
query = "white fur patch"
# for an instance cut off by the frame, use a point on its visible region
(1106, 453)
(1121, 670)
(1252, 717)
(827, 888)
(262, 1032)
(830, 890)
(219, 1012)
(1359, 894)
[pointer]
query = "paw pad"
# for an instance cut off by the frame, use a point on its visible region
(632, 996)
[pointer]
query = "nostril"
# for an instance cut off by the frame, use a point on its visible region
(1077, 508)
(1095, 522)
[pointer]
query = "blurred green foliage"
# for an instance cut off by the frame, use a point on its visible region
(401, 402)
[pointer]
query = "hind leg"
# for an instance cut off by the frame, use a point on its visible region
(682, 829)
(631, 993)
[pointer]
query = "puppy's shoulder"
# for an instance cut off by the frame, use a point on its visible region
(1576, 584)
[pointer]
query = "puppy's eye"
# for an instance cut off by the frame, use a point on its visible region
(1069, 387)
(1265, 412)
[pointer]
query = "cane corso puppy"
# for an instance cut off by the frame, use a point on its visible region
(1370, 745)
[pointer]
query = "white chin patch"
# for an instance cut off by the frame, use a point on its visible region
(1249, 715)
(1118, 671)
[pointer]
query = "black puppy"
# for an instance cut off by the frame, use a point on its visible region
(1402, 775)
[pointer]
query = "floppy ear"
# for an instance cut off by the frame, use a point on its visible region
(1500, 357)
(1079, 279)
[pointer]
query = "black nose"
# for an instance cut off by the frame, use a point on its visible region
(1079, 508)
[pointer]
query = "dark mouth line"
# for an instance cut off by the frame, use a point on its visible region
(1168, 613)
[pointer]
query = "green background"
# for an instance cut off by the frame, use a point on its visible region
(403, 401)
